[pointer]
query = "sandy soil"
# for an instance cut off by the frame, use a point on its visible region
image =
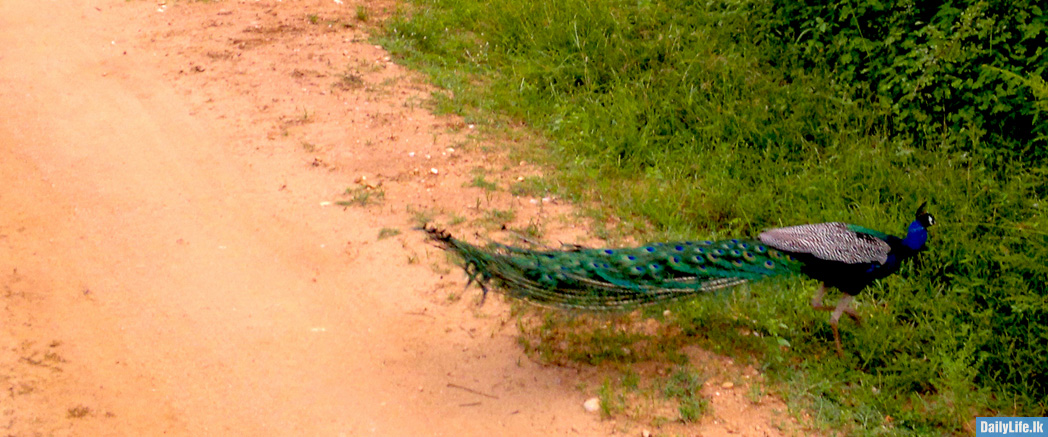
(174, 260)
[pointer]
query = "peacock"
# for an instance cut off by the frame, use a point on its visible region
(839, 255)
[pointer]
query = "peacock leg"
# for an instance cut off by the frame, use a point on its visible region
(854, 315)
(816, 302)
(843, 307)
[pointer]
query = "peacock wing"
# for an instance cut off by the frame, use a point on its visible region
(829, 241)
(868, 231)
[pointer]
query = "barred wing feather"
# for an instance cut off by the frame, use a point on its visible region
(830, 242)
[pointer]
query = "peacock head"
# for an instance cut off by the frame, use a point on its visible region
(917, 234)
(925, 219)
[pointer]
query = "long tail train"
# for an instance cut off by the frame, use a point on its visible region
(615, 279)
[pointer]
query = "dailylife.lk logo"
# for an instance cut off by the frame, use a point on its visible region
(1015, 426)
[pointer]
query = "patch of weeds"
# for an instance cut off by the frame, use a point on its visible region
(440, 268)
(588, 339)
(309, 147)
(755, 393)
(630, 379)
(480, 182)
(685, 386)
(532, 231)
(305, 117)
(420, 217)
(363, 14)
(388, 232)
(78, 412)
(499, 216)
(316, 19)
(691, 409)
(362, 196)
(532, 186)
(349, 80)
(612, 402)
(456, 220)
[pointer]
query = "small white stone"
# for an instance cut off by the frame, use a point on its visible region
(592, 405)
(434, 170)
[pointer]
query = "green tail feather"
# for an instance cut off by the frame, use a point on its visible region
(609, 279)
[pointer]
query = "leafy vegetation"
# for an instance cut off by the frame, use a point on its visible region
(721, 118)
(935, 69)
(362, 196)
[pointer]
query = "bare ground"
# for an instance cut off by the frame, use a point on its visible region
(174, 260)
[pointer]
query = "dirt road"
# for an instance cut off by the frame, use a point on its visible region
(171, 259)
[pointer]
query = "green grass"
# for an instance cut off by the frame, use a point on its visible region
(679, 119)
(685, 386)
(480, 182)
(363, 14)
(362, 196)
(387, 233)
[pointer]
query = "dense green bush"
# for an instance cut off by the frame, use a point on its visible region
(721, 118)
(972, 69)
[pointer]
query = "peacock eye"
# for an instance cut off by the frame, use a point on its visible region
(609, 251)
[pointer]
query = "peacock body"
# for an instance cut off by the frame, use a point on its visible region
(843, 256)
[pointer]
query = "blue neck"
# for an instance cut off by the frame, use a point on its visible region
(916, 236)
